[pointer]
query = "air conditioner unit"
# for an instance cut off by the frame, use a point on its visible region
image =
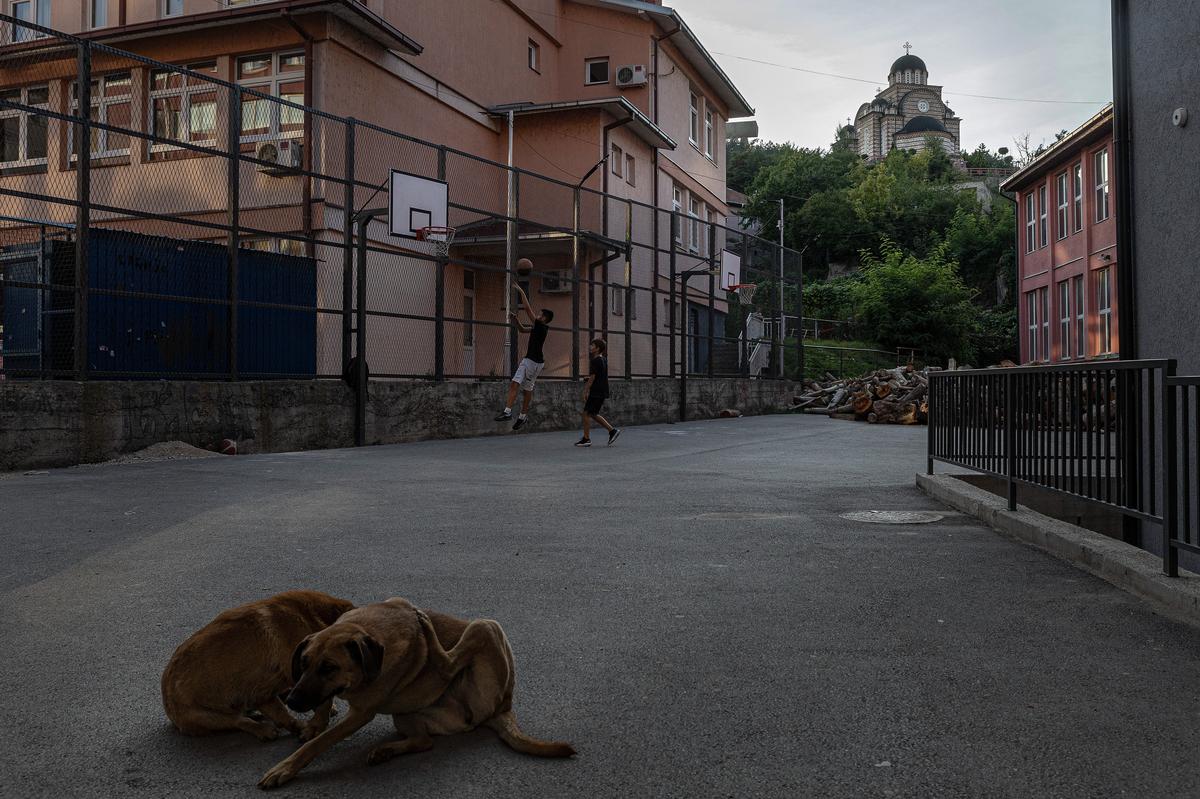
(281, 156)
(556, 283)
(631, 75)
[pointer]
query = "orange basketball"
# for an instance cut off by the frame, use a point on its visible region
(524, 266)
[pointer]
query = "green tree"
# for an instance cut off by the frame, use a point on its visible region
(983, 158)
(982, 245)
(744, 160)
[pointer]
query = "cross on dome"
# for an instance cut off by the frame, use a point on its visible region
(906, 47)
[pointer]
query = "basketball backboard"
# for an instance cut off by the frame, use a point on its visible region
(415, 202)
(731, 269)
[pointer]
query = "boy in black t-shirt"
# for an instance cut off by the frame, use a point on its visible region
(595, 391)
(531, 365)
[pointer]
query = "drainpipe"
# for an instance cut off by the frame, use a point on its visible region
(510, 246)
(306, 153)
(1123, 175)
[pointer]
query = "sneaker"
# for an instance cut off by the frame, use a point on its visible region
(503, 416)
(583, 442)
(521, 420)
(612, 435)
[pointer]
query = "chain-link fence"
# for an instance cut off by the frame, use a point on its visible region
(226, 230)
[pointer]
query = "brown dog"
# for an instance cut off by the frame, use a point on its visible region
(376, 659)
(241, 661)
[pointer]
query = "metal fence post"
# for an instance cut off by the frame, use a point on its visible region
(348, 248)
(514, 182)
(654, 289)
(1010, 438)
(233, 195)
(576, 253)
(712, 294)
(628, 290)
(672, 300)
(83, 211)
(744, 315)
(1170, 486)
(929, 437)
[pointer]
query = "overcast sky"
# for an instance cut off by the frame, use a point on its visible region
(1039, 49)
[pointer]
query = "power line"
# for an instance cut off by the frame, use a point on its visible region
(876, 83)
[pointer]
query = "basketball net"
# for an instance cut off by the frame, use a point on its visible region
(745, 291)
(440, 237)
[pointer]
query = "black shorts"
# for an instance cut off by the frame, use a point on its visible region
(593, 405)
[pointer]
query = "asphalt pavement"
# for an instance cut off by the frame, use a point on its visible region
(687, 608)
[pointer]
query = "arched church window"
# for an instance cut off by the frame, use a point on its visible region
(908, 76)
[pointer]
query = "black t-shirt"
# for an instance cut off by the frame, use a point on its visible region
(599, 368)
(536, 339)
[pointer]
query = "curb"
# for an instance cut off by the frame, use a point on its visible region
(1128, 568)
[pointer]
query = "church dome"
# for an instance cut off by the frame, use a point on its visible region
(923, 125)
(907, 61)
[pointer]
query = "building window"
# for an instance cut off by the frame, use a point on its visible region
(535, 56)
(1077, 179)
(677, 209)
(1062, 200)
(98, 14)
(1065, 321)
(23, 134)
(694, 120)
(693, 223)
(172, 8)
(274, 244)
(112, 104)
(1044, 310)
(1081, 348)
(630, 170)
(618, 300)
(278, 75)
(35, 11)
(183, 108)
(1043, 215)
(1102, 186)
(1031, 308)
(1104, 309)
(1030, 224)
(595, 71)
(708, 133)
(468, 308)
(617, 160)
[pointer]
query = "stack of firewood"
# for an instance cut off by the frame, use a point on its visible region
(886, 396)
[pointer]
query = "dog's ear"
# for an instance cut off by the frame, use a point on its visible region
(297, 658)
(368, 654)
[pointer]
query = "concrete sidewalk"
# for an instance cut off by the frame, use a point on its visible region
(687, 608)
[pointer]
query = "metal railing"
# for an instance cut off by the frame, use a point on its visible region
(174, 251)
(1120, 434)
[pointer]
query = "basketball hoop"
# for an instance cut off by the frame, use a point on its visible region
(440, 237)
(745, 291)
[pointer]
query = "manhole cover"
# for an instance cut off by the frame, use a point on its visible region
(893, 516)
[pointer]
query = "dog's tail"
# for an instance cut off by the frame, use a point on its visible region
(506, 727)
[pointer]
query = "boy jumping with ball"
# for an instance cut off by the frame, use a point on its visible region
(595, 391)
(531, 365)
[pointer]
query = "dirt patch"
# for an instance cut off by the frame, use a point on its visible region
(164, 451)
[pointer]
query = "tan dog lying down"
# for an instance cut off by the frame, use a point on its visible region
(376, 659)
(241, 661)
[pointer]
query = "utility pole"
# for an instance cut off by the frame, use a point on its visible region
(782, 318)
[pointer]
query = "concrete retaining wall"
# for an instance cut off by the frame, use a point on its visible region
(59, 423)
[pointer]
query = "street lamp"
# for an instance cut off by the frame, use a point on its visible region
(683, 350)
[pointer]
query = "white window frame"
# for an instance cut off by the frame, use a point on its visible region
(1044, 292)
(677, 209)
(270, 85)
(1104, 308)
(709, 132)
(535, 56)
(630, 169)
(1100, 165)
(39, 14)
(1030, 224)
(24, 117)
(166, 5)
(1043, 216)
(694, 119)
(617, 160)
(1031, 306)
(97, 11)
(1077, 180)
(101, 104)
(186, 93)
(617, 305)
(1062, 201)
(1065, 321)
(587, 71)
(693, 223)
(1081, 342)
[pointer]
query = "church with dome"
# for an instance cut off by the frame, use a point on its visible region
(907, 114)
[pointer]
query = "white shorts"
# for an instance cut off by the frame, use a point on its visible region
(527, 373)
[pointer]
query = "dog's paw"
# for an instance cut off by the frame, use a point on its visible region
(277, 776)
(381, 754)
(267, 732)
(310, 731)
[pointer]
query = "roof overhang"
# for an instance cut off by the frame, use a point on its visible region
(671, 24)
(741, 129)
(1061, 150)
(353, 13)
(618, 107)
